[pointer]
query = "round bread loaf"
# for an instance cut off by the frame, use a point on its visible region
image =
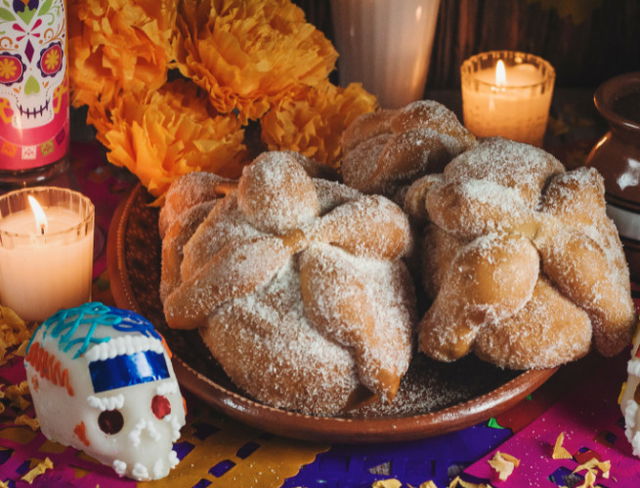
(520, 259)
(388, 149)
(297, 286)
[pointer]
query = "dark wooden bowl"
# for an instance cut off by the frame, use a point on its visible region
(434, 397)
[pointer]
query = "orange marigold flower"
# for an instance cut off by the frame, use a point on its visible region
(117, 45)
(312, 121)
(248, 54)
(169, 133)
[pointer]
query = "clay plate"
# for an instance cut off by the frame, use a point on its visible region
(435, 398)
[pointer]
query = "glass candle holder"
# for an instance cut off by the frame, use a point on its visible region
(508, 94)
(45, 265)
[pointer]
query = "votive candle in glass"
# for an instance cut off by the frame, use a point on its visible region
(508, 94)
(45, 262)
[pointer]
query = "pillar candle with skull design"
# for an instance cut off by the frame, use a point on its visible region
(34, 95)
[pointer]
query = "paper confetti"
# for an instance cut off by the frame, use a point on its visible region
(560, 452)
(28, 421)
(390, 483)
(503, 464)
(40, 468)
(603, 466)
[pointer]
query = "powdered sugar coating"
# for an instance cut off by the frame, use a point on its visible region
(272, 287)
(514, 165)
(503, 189)
(192, 189)
(386, 150)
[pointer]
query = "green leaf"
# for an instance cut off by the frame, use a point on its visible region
(44, 9)
(493, 424)
(26, 15)
(6, 14)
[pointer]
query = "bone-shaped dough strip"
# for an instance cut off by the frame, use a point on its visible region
(188, 191)
(342, 312)
(235, 271)
(177, 235)
(491, 278)
(578, 266)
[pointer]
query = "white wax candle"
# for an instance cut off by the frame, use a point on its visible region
(516, 108)
(43, 273)
(524, 74)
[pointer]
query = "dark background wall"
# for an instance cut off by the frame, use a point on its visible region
(587, 41)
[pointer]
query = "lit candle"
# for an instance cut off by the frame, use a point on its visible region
(46, 250)
(508, 94)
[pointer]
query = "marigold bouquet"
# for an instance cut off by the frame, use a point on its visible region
(240, 63)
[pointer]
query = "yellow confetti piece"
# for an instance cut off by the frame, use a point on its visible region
(503, 464)
(603, 466)
(19, 402)
(428, 484)
(3, 485)
(15, 393)
(40, 468)
(458, 482)
(560, 452)
(622, 389)
(19, 389)
(28, 421)
(589, 480)
(22, 349)
(390, 483)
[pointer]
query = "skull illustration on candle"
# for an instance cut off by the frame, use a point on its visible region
(101, 381)
(32, 63)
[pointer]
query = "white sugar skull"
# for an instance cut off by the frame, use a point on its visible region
(630, 400)
(32, 62)
(101, 381)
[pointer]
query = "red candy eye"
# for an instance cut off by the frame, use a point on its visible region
(51, 59)
(160, 406)
(11, 68)
(110, 421)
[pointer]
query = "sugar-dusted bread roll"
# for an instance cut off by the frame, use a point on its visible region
(297, 286)
(522, 263)
(388, 149)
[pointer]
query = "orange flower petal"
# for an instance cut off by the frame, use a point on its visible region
(247, 55)
(169, 133)
(117, 45)
(312, 121)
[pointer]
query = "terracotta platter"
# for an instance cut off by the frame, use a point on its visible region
(435, 398)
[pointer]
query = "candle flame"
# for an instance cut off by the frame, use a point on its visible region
(39, 215)
(501, 73)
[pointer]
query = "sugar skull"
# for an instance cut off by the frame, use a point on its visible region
(101, 381)
(630, 398)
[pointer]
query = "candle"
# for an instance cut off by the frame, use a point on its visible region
(46, 256)
(508, 94)
(385, 45)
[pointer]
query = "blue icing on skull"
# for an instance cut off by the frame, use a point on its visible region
(66, 324)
